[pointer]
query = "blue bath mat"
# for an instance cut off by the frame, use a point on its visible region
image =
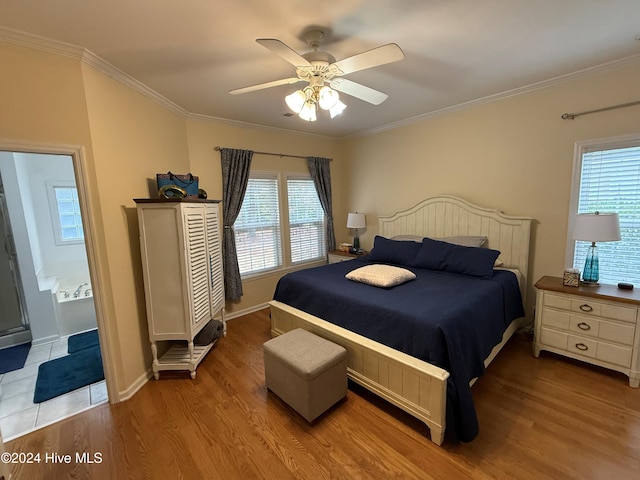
(65, 374)
(83, 340)
(13, 358)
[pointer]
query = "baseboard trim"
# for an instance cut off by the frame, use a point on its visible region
(134, 387)
(246, 311)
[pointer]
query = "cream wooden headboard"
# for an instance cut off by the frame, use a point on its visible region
(445, 216)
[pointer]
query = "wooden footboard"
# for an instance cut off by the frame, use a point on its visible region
(416, 387)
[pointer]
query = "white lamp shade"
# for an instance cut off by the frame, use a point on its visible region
(308, 112)
(327, 98)
(356, 220)
(296, 100)
(337, 109)
(597, 227)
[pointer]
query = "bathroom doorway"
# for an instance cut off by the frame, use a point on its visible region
(46, 208)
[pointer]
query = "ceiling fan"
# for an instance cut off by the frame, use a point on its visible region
(324, 75)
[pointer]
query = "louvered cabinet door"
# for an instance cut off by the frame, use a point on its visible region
(195, 225)
(214, 245)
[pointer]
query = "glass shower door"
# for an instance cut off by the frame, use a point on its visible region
(13, 318)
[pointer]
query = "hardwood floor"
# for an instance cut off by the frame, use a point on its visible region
(545, 418)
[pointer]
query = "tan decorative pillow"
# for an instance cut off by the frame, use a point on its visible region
(381, 275)
(463, 240)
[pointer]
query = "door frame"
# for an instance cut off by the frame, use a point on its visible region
(87, 211)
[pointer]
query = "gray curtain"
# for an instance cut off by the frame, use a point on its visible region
(235, 176)
(321, 175)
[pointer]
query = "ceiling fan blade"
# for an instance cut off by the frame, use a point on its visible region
(261, 86)
(358, 90)
(371, 58)
(279, 48)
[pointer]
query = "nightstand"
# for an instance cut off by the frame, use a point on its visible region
(336, 256)
(598, 325)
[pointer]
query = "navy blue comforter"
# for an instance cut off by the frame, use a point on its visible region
(451, 321)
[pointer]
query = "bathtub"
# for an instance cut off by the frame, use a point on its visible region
(74, 307)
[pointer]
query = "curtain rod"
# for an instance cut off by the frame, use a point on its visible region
(217, 149)
(571, 116)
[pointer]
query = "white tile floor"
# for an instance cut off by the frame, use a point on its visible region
(18, 413)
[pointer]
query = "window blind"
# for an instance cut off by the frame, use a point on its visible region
(257, 228)
(69, 213)
(306, 221)
(610, 182)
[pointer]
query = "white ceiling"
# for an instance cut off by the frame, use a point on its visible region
(193, 52)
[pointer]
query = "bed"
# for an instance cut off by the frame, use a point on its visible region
(430, 386)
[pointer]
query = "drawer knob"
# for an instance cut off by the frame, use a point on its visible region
(581, 346)
(584, 326)
(586, 308)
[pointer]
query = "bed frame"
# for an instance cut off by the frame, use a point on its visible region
(415, 386)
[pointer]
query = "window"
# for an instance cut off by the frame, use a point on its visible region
(306, 221)
(257, 228)
(65, 213)
(265, 227)
(607, 179)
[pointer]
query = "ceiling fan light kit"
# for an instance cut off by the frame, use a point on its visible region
(318, 68)
(303, 102)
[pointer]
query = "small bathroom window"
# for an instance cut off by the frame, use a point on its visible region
(65, 213)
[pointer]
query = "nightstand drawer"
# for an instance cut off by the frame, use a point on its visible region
(615, 312)
(557, 301)
(587, 347)
(614, 354)
(553, 338)
(587, 306)
(581, 345)
(556, 318)
(602, 329)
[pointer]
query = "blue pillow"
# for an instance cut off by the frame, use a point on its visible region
(444, 256)
(397, 252)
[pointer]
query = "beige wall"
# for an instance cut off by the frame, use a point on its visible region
(205, 135)
(132, 138)
(515, 154)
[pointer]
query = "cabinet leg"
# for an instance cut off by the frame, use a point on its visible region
(634, 382)
(224, 323)
(437, 435)
(536, 350)
(154, 352)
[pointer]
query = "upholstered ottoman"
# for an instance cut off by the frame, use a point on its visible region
(306, 371)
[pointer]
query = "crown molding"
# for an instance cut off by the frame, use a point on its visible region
(257, 126)
(23, 39)
(586, 72)
(108, 69)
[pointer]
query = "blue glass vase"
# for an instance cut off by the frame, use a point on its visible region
(590, 273)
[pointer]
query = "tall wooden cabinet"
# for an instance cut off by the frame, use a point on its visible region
(181, 247)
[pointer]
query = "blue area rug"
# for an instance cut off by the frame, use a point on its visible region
(65, 374)
(83, 340)
(13, 358)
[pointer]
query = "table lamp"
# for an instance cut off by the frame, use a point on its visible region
(595, 227)
(356, 221)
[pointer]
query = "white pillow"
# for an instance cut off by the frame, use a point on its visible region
(381, 275)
